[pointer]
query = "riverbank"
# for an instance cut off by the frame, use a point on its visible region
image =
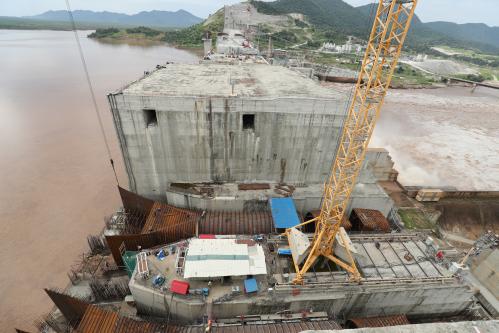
(190, 37)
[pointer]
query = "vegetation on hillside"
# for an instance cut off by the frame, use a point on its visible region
(333, 15)
(104, 33)
(341, 19)
(327, 21)
(187, 37)
(193, 35)
(128, 34)
(148, 32)
(423, 36)
(476, 32)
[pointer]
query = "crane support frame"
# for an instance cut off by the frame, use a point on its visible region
(390, 27)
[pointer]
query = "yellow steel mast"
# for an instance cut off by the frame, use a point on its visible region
(390, 27)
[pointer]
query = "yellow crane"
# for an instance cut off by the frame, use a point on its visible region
(390, 26)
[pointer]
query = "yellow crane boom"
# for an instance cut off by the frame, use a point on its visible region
(390, 27)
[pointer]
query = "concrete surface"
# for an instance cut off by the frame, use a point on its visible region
(217, 80)
(459, 327)
(413, 293)
(485, 269)
(245, 16)
(199, 134)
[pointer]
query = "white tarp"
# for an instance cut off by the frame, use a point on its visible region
(207, 258)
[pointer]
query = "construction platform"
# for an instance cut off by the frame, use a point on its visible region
(400, 276)
(209, 80)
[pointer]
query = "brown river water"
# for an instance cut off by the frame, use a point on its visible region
(55, 181)
(56, 185)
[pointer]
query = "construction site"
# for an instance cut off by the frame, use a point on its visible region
(254, 204)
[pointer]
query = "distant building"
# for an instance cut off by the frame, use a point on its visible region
(348, 47)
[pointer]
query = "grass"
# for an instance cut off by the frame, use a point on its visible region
(405, 75)
(470, 53)
(489, 73)
(129, 34)
(414, 218)
(347, 61)
(192, 36)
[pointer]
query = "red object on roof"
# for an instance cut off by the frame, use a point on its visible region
(440, 255)
(179, 287)
(206, 236)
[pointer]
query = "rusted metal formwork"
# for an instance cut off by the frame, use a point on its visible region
(163, 216)
(166, 224)
(378, 321)
(181, 224)
(145, 241)
(135, 202)
(369, 220)
(236, 223)
(292, 327)
(98, 320)
(73, 309)
(345, 223)
(253, 186)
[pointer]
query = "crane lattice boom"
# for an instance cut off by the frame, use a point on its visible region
(390, 27)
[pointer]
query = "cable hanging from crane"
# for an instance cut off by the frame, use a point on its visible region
(91, 88)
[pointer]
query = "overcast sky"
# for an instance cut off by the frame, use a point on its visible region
(460, 11)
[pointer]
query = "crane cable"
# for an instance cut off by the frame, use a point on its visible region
(90, 87)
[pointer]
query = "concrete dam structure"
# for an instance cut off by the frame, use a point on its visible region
(191, 134)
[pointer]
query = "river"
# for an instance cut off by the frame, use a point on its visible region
(56, 184)
(55, 181)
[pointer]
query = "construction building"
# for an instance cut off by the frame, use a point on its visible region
(399, 278)
(244, 268)
(227, 137)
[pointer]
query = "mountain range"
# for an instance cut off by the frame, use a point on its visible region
(329, 15)
(154, 18)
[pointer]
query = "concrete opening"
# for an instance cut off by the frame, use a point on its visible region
(309, 228)
(150, 117)
(248, 121)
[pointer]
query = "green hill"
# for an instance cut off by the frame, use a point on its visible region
(425, 35)
(477, 32)
(324, 14)
(336, 16)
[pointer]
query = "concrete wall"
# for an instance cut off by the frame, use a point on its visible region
(381, 164)
(202, 140)
(489, 326)
(416, 300)
(156, 303)
(486, 268)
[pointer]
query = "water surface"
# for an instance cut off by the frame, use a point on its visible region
(55, 182)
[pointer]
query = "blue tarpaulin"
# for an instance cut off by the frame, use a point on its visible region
(250, 285)
(161, 255)
(284, 213)
(284, 252)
